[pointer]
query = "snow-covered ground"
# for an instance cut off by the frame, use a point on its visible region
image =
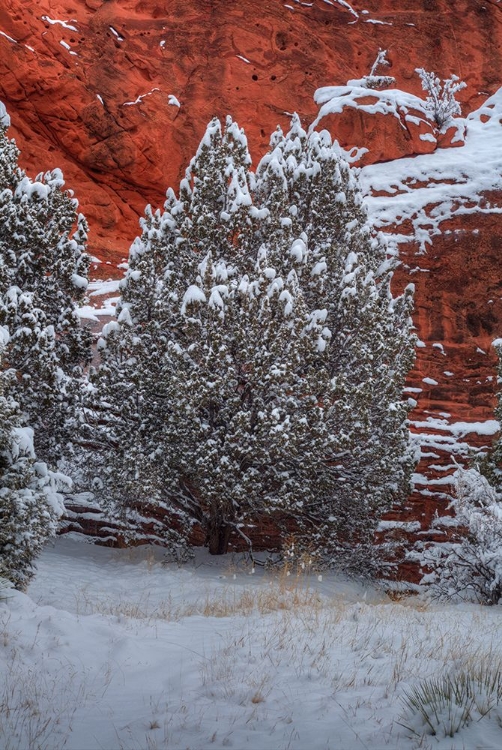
(103, 299)
(113, 649)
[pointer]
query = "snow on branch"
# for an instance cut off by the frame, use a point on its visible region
(193, 295)
(4, 117)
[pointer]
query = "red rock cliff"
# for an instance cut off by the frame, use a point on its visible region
(87, 84)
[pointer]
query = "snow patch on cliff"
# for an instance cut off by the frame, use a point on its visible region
(64, 24)
(429, 189)
(334, 99)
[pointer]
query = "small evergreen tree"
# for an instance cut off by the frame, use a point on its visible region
(470, 566)
(43, 275)
(29, 501)
(257, 363)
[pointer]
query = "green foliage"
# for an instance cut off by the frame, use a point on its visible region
(29, 502)
(43, 275)
(258, 358)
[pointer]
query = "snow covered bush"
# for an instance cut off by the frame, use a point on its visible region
(43, 275)
(470, 567)
(256, 366)
(442, 706)
(29, 501)
(441, 102)
(491, 465)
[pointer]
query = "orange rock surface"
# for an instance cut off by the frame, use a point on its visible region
(91, 94)
(87, 86)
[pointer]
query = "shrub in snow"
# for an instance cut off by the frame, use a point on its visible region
(257, 362)
(441, 102)
(29, 501)
(43, 275)
(470, 567)
(442, 706)
(491, 465)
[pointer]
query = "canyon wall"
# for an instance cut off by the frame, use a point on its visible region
(87, 84)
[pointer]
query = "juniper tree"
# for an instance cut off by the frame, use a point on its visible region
(258, 331)
(162, 258)
(344, 270)
(149, 317)
(43, 275)
(469, 564)
(126, 422)
(247, 385)
(29, 501)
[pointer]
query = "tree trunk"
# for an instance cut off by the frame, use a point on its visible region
(218, 534)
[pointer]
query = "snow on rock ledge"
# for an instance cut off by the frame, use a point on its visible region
(388, 124)
(382, 125)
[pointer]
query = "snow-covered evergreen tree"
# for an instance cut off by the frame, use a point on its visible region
(127, 423)
(470, 566)
(43, 275)
(149, 314)
(30, 504)
(253, 399)
(344, 271)
(215, 193)
(258, 359)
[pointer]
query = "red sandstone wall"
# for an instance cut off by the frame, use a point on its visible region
(119, 157)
